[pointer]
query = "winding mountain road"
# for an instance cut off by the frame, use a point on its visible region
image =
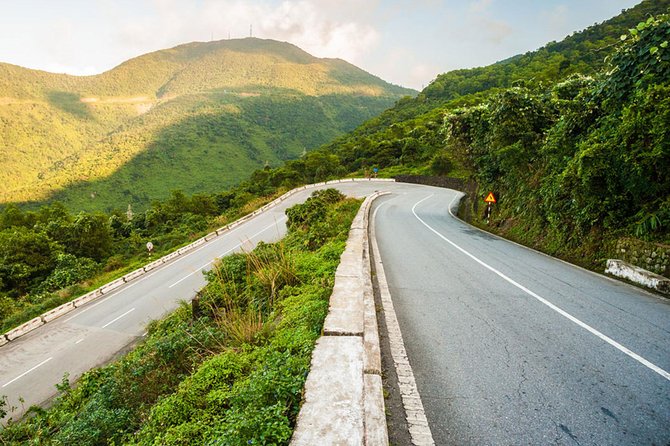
(93, 334)
(508, 346)
(512, 347)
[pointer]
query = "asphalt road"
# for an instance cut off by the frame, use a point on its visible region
(92, 335)
(511, 347)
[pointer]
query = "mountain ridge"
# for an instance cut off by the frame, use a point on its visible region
(59, 131)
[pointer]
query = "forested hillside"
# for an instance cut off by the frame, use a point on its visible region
(576, 162)
(573, 138)
(197, 117)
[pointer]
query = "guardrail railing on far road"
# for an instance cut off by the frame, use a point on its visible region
(116, 284)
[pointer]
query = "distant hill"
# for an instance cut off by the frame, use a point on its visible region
(198, 117)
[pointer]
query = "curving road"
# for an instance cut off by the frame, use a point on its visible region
(92, 335)
(508, 346)
(512, 347)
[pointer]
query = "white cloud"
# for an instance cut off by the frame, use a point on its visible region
(480, 6)
(310, 24)
(495, 31)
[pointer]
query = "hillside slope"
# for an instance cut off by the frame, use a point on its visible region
(572, 138)
(196, 117)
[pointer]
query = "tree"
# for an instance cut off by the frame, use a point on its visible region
(90, 236)
(26, 258)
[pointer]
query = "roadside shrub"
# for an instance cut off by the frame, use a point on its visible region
(230, 374)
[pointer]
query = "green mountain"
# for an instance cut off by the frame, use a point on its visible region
(572, 137)
(197, 117)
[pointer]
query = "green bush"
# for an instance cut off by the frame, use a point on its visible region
(218, 376)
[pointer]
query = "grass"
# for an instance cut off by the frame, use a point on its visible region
(231, 372)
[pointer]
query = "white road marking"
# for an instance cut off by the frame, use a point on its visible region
(25, 373)
(79, 341)
(114, 320)
(146, 276)
(128, 286)
(415, 415)
(563, 313)
(228, 252)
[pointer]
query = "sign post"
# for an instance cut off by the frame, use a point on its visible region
(490, 199)
(150, 247)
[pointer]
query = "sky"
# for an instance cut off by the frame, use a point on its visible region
(405, 42)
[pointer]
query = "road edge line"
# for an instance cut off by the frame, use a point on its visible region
(645, 362)
(415, 414)
(457, 200)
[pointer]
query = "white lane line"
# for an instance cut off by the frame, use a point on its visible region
(79, 341)
(127, 287)
(415, 415)
(114, 320)
(26, 372)
(148, 275)
(228, 252)
(198, 269)
(563, 313)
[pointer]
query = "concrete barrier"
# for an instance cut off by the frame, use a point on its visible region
(82, 300)
(169, 257)
(199, 242)
(343, 396)
(3, 340)
(24, 328)
(333, 409)
(619, 268)
(58, 312)
(111, 286)
(86, 298)
(148, 267)
(134, 275)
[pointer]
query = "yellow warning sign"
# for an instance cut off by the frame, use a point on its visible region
(490, 198)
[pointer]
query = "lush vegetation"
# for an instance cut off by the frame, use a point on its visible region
(50, 256)
(572, 138)
(582, 162)
(577, 161)
(577, 155)
(229, 369)
(198, 117)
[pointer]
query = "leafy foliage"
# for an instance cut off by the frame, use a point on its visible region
(194, 381)
(589, 157)
(573, 137)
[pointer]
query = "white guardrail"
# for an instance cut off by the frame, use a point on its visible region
(114, 285)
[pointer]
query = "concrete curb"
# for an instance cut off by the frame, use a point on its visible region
(619, 268)
(112, 286)
(343, 397)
